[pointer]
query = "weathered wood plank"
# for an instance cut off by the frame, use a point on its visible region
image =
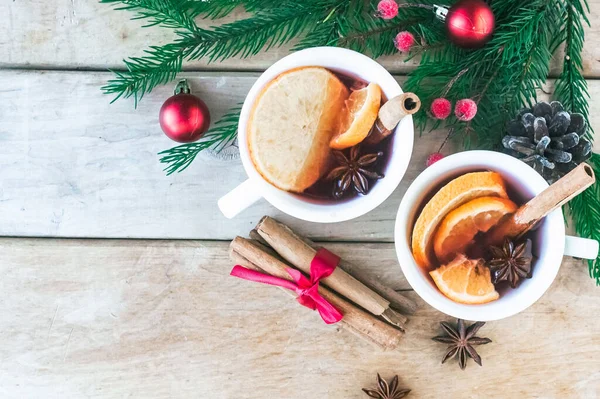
(158, 319)
(86, 34)
(74, 165)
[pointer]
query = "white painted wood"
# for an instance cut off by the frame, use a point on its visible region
(74, 165)
(157, 319)
(71, 34)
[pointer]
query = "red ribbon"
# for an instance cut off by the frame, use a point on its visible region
(322, 265)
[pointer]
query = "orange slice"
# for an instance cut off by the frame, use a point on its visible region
(358, 116)
(459, 227)
(465, 281)
(459, 191)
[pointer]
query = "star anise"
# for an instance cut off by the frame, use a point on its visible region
(385, 391)
(353, 172)
(461, 340)
(511, 262)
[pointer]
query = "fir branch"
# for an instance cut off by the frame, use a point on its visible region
(249, 36)
(214, 9)
(159, 66)
(585, 211)
(571, 86)
(224, 132)
(242, 38)
(571, 90)
(167, 13)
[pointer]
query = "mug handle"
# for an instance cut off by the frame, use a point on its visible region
(583, 248)
(239, 199)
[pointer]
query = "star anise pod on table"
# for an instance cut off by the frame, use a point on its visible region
(385, 390)
(511, 262)
(353, 172)
(462, 340)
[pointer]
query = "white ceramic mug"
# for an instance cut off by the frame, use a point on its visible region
(346, 62)
(550, 241)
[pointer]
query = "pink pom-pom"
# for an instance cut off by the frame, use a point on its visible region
(404, 41)
(441, 108)
(433, 158)
(387, 9)
(465, 110)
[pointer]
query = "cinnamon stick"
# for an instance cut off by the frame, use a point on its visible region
(390, 114)
(397, 300)
(528, 215)
(296, 251)
(240, 260)
(359, 322)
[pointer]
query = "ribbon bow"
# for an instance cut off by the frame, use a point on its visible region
(322, 265)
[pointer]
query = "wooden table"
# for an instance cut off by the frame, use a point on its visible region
(115, 278)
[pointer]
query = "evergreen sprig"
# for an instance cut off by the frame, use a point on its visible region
(173, 14)
(501, 77)
(571, 90)
(220, 136)
(243, 38)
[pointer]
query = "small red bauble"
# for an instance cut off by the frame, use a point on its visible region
(184, 117)
(465, 110)
(404, 41)
(387, 9)
(433, 158)
(441, 108)
(470, 23)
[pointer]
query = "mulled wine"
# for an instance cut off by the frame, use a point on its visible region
(323, 135)
(461, 240)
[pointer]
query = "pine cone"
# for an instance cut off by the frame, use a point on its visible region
(549, 139)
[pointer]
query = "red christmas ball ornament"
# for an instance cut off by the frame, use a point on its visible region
(184, 117)
(465, 109)
(441, 108)
(470, 23)
(433, 158)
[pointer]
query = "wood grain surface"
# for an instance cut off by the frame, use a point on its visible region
(121, 318)
(75, 34)
(162, 319)
(74, 165)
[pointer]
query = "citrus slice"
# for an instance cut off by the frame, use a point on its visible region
(465, 281)
(459, 227)
(459, 191)
(357, 117)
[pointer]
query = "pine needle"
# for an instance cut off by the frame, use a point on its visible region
(571, 90)
(220, 136)
(501, 77)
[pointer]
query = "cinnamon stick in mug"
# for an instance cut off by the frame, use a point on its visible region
(356, 320)
(300, 254)
(528, 215)
(390, 114)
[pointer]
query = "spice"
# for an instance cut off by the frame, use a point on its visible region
(461, 340)
(511, 262)
(353, 172)
(385, 390)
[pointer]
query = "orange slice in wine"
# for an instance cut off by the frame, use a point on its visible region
(358, 116)
(454, 194)
(458, 229)
(466, 281)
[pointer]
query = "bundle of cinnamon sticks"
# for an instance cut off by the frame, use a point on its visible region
(370, 309)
